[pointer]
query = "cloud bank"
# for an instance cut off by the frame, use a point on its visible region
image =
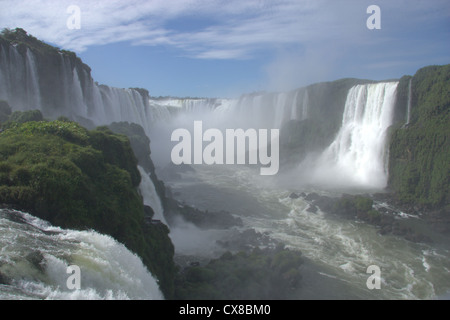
(294, 39)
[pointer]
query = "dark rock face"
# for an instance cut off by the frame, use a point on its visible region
(248, 239)
(361, 208)
(202, 219)
(293, 195)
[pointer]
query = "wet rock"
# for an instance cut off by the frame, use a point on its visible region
(202, 219)
(148, 212)
(36, 258)
(4, 279)
(312, 197)
(312, 208)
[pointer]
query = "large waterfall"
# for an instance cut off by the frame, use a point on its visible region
(357, 156)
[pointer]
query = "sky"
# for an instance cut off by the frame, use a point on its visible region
(224, 48)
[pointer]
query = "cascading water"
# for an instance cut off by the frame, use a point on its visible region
(357, 156)
(280, 109)
(32, 85)
(35, 256)
(18, 78)
(150, 196)
(249, 111)
(408, 106)
(77, 96)
(305, 105)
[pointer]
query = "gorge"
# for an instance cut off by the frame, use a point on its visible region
(363, 170)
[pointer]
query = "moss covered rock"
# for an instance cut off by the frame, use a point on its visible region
(419, 164)
(260, 274)
(80, 179)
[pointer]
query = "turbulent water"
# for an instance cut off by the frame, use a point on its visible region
(35, 256)
(338, 251)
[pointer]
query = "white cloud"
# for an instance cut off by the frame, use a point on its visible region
(240, 26)
(238, 29)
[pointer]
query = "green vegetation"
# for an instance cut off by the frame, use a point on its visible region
(419, 163)
(22, 117)
(260, 274)
(80, 179)
(361, 208)
(21, 38)
(140, 144)
(358, 207)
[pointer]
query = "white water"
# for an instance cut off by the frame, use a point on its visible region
(35, 256)
(357, 156)
(339, 250)
(408, 107)
(250, 111)
(150, 196)
(82, 98)
(32, 79)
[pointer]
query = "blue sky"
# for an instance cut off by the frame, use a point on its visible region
(212, 48)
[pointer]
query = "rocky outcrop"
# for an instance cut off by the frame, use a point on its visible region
(361, 208)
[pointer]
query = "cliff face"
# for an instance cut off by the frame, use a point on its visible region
(419, 166)
(35, 75)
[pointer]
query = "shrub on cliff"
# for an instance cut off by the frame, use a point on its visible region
(80, 179)
(419, 166)
(260, 274)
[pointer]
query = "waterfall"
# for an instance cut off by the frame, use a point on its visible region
(294, 112)
(357, 156)
(77, 100)
(35, 257)
(15, 78)
(32, 82)
(305, 105)
(74, 93)
(408, 106)
(150, 196)
(279, 106)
